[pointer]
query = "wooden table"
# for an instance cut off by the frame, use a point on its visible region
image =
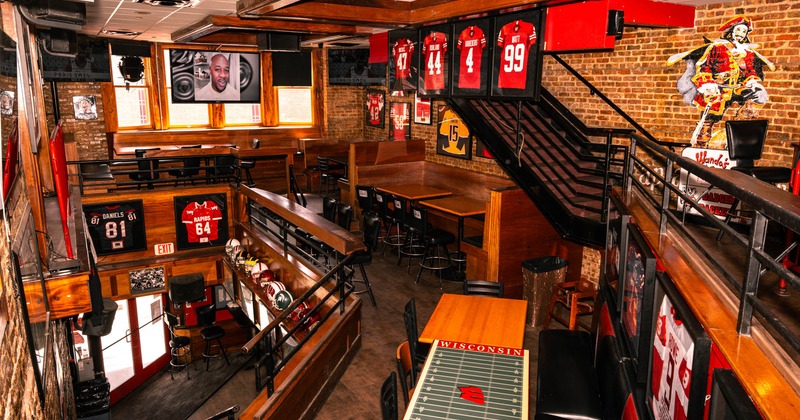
(414, 192)
(477, 319)
(474, 381)
(459, 206)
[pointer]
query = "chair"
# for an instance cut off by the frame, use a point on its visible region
(436, 256)
(224, 168)
(745, 144)
(206, 315)
(191, 167)
(577, 297)
(382, 200)
(328, 174)
(405, 371)
(247, 165)
(419, 351)
(147, 169)
(180, 351)
(389, 397)
(330, 207)
(483, 288)
(344, 215)
(366, 198)
(372, 228)
(413, 245)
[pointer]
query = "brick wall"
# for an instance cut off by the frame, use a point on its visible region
(90, 135)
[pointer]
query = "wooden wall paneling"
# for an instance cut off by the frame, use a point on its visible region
(269, 100)
(384, 152)
(217, 112)
(242, 138)
(318, 96)
(110, 116)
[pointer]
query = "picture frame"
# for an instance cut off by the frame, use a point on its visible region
(473, 46)
(481, 151)
(517, 57)
(84, 107)
(221, 296)
(116, 227)
(729, 400)
(403, 60)
(375, 108)
(434, 60)
(681, 368)
(351, 67)
(616, 240)
(453, 137)
(201, 221)
(147, 280)
(422, 111)
(400, 118)
(637, 283)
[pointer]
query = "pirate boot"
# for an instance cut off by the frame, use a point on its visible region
(705, 133)
(747, 111)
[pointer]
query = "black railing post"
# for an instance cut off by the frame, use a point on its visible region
(752, 274)
(665, 196)
(627, 170)
(607, 168)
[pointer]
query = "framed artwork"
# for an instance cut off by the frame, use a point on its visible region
(400, 117)
(517, 58)
(679, 356)
(201, 221)
(472, 57)
(434, 64)
(147, 280)
(116, 227)
(221, 296)
(403, 59)
(637, 285)
(422, 111)
(453, 137)
(729, 400)
(85, 107)
(481, 151)
(6, 102)
(376, 111)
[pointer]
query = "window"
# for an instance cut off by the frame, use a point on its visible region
(294, 105)
(242, 114)
(132, 97)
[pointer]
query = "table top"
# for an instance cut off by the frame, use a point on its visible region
(457, 205)
(207, 150)
(414, 191)
(462, 380)
(477, 319)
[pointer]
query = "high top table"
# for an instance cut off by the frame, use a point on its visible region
(461, 207)
(414, 192)
(477, 319)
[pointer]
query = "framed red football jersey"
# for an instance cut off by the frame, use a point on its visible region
(472, 57)
(434, 64)
(400, 120)
(403, 59)
(517, 56)
(376, 100)
(201, 221)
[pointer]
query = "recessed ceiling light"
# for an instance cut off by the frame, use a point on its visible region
(123, 32)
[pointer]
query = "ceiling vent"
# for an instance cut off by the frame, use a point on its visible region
(170, 3)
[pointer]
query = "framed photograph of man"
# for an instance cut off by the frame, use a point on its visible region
(422, 111)
(517, 57)
(116, 227)
(472, 48)
(434, 63)
(400, 118)
(453, 137)
(147, 280)
(403, 59)
(6, 102)
(201, 221)
(85, 107)
(375, 106)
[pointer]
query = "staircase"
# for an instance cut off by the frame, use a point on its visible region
(547, 151)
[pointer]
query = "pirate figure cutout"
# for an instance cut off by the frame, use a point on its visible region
(719, 74)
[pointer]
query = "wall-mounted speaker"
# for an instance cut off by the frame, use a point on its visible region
(277, 41)
(101, 326)
(616, 23)
(187, 288)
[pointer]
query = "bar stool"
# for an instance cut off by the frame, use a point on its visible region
(396, 219)
(413, 246)
(179, 348)
(247, 165)
(436, 256)
(206, 316)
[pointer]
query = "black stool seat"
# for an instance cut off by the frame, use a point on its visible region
(179, 342)
(212, 333)
(247, 165)
(771, 174)
(439, 237)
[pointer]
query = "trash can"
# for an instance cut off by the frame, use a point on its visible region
(540, 276)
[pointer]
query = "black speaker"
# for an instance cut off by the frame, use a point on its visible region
(616, 23)
(94, 326)
(187, 288)
(277, 41)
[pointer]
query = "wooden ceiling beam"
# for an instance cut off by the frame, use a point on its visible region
(212, 24)
(265, 6)
(458, 8)
(371, 16)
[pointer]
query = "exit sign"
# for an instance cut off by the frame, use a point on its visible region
(164, 249)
